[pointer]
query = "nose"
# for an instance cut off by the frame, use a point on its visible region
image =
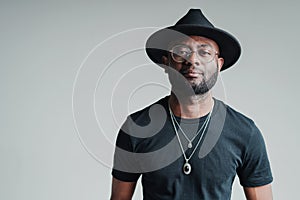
(193, 59)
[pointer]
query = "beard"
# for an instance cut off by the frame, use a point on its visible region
(182, 87)
(206, 84)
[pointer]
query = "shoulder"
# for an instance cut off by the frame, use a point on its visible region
(144, 116)
(237, 122)
(145, 123)
(150, 119)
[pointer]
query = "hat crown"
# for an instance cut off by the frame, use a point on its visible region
(194, 17)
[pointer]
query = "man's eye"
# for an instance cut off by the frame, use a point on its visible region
(183, 53)
(203, 52)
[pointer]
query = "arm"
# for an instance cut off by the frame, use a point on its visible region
(258, 193)
(122, 190)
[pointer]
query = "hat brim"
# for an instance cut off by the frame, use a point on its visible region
(157, 43)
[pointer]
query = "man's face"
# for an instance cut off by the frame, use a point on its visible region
(196, 59)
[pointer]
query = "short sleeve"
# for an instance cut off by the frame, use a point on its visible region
(124, 160)
(255, 169)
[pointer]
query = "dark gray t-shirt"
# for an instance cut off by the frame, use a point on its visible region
(147, 146)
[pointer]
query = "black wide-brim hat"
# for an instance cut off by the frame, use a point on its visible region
(193, 23)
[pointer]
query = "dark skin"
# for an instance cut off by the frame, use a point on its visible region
(189, 107)
(122, 190)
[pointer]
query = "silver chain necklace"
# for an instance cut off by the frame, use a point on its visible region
(187, 168)
(190, 144)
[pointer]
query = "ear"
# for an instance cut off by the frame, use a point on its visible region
(165, 60)
(220, 63)
(166, 63)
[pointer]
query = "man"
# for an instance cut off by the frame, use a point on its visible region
(190, 145)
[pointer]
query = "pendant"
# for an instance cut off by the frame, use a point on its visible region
(190, 145)
(187, 168)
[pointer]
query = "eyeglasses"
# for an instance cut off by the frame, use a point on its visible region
(181, 53)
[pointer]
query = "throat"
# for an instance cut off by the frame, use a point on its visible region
(192, 107)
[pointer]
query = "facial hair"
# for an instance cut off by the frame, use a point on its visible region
(206, 84)
(182, 87)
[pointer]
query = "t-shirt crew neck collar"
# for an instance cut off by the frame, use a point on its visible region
(193, 120)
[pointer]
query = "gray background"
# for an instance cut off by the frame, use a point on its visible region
(43, 44)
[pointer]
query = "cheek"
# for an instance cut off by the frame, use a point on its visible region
(211, 69)
(176, 66)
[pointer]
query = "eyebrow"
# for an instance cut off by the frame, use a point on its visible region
(204, 45)
(198, 46)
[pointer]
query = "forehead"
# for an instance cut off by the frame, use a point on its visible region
(195, 40)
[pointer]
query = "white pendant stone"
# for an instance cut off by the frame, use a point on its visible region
(187, 168)
(190, 145)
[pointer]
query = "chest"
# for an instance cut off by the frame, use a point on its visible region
(210, 176)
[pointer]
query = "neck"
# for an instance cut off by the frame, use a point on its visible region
(195, 106)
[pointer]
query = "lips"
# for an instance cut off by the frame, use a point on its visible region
(192, 74)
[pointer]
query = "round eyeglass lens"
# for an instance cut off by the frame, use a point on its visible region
(181, 53)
